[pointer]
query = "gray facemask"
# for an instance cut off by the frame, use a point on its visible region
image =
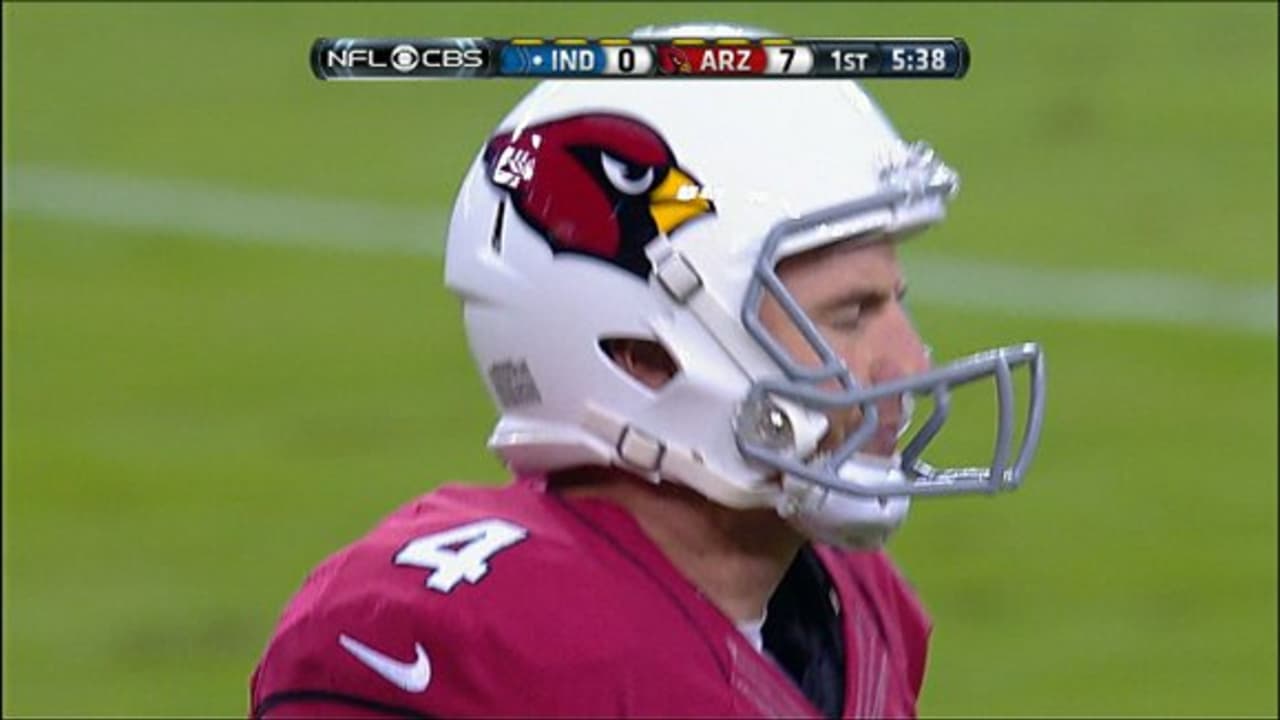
(762, 428)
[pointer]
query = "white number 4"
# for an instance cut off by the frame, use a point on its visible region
(478, 540)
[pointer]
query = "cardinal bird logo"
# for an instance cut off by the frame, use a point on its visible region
(599, 185)
(680, 62)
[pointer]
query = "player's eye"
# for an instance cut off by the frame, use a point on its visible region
(847, 318)
(629, 179)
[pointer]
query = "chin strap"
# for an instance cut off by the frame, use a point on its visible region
(845, 520)
(850, 521)
(653, 459)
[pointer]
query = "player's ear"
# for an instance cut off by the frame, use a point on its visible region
(645, 360)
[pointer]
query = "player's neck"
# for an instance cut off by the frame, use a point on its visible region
(736, 558)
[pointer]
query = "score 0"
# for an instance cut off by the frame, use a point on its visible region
(627, 60)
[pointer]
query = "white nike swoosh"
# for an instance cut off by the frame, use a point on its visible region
(408, 676)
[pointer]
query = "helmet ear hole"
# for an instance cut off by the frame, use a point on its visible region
(646, 361)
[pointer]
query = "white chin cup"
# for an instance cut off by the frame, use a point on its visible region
(855, 522)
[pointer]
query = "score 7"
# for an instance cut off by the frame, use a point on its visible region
(787, 60)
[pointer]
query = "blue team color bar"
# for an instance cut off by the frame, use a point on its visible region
(551, 60)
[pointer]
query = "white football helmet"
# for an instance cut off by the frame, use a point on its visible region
(658, 210)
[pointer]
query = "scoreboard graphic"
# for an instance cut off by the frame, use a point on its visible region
(686, 58)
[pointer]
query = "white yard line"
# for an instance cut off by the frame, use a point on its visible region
(199, 210)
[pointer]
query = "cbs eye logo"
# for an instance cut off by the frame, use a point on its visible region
(404, 58)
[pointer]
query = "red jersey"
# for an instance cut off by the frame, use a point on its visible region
(517, 601)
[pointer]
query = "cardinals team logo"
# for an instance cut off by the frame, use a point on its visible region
(600, 185)
(674, 61)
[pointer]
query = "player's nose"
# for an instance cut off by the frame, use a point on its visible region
(900, 353)
(899, 349)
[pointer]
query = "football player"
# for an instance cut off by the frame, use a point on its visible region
(685, 299)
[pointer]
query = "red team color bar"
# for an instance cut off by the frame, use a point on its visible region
(714, 60)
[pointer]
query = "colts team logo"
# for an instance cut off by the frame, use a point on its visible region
(600, 185)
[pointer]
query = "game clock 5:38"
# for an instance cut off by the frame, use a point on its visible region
(889, 57)
(925, 59)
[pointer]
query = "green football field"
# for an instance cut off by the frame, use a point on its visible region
(228, 351)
